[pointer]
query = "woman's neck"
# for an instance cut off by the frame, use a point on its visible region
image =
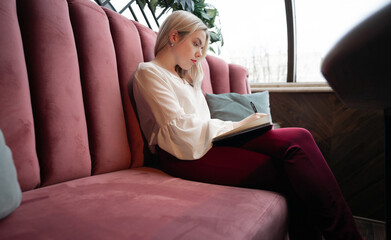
(165, 59)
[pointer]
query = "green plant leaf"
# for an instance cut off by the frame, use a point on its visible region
(191, 5)
(205, 16)
(187, 5)
(212, 13)
(142, 3)
(153, 4)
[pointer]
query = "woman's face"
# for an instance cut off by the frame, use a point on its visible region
(189, 51)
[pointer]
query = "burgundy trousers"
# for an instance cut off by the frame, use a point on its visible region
(285, 160)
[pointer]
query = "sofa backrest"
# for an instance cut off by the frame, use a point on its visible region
(64, 105)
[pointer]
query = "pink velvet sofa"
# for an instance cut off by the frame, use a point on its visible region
(65, 67)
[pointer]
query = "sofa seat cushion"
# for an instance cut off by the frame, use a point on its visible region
(145, 203)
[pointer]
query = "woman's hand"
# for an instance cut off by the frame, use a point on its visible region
(248, 119)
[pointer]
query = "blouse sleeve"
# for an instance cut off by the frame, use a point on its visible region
(164, 122)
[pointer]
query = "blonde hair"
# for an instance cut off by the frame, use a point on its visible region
(185, 23)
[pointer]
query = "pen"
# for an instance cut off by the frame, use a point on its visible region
(254, 108)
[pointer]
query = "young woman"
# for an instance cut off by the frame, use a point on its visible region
(176, 122)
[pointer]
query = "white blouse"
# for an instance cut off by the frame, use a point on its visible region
(173, 114)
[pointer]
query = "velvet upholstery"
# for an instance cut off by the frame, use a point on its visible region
(129, 53)
(145, 203)
(56, 95)
(16, 117)
(67, 116)
(102, 98)
(148, 39)
(226, 78)
(236, 72)
(206, 83)
(219, 74)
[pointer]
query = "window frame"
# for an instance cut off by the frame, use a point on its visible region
(292, 43)
(290, 13)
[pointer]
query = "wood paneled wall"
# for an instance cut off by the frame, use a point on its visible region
(352, 141)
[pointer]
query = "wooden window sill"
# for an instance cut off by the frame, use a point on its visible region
(291, 87)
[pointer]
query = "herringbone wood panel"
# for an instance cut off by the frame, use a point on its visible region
(352, 141)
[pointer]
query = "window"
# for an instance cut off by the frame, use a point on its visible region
(319, 25)
(255, 36)
(255, 32)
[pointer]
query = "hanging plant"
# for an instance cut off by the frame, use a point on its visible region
(205, 11)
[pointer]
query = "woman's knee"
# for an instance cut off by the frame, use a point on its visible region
(296, 137)
(302, 133)
(277, 141)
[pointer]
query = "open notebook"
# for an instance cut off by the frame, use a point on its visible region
(257, 127)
